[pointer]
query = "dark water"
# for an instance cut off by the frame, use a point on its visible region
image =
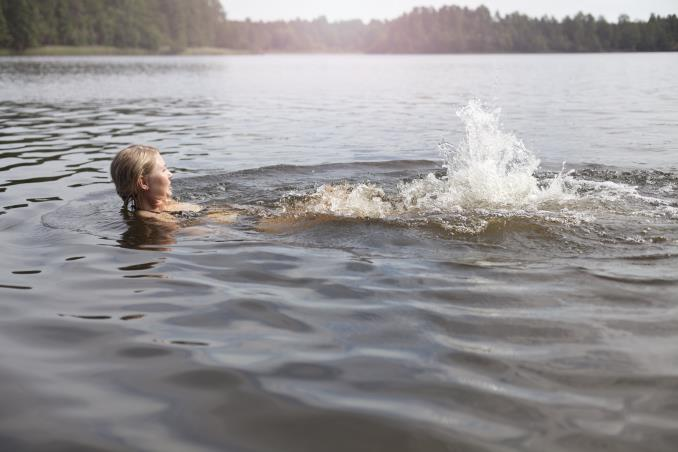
(372, 294)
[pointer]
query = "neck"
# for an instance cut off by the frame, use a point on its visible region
(152, 205)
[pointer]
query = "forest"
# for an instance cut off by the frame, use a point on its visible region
(174, 25)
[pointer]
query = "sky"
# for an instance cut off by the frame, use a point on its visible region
(388, 9)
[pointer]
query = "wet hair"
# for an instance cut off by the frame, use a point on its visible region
(128, 166)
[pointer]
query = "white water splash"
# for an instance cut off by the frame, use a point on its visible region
(490, 174)
(489, 168)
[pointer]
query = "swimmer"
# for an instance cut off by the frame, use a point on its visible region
(144, 183)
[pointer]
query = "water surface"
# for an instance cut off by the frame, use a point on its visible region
(410, 269)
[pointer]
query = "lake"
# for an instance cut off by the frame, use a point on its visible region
(431, 253)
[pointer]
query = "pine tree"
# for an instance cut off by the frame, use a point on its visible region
(21, 18)
(5, 37)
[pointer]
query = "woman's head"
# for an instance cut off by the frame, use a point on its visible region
(141, 176)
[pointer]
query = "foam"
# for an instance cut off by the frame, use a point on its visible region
(361, 200)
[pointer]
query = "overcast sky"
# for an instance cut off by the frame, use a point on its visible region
(388, 9)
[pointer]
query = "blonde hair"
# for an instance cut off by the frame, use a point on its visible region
(128, 166)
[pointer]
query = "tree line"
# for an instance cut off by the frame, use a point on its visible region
(178, 24)
(146, 24)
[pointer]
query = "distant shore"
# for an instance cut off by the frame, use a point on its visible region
(216, 51)
(105, 50)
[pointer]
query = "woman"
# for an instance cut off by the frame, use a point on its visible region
(143, 181)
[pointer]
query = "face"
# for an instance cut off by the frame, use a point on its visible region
(158, 181)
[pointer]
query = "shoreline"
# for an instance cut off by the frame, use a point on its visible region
(118, 51)
(218, 51)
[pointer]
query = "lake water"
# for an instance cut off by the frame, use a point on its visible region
(413, 266)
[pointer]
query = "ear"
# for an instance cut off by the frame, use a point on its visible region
(142, 183)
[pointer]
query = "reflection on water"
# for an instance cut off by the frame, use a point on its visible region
(347, 289)
(147, 233)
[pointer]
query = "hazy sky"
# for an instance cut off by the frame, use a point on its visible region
(388, 9)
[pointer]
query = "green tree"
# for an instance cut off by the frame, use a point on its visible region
(629, 34)
(21, 17)
(178, 24)
(5, 37)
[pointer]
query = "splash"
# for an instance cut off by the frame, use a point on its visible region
(489, 168)
(492, 185)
